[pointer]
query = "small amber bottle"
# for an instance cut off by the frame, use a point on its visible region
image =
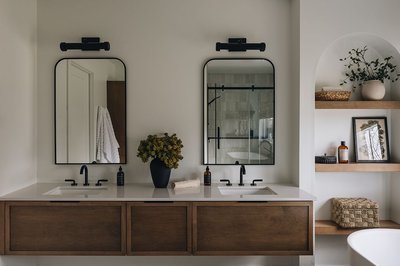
(207, 177)
(343, 153)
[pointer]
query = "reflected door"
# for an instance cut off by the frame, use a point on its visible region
(78, 88)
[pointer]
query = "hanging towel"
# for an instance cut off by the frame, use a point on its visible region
(106, 143)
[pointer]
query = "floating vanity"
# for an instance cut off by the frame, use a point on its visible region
(56, 219)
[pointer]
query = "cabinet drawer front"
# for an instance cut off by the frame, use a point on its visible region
(236, 228)
(65, 228)
(159, 228)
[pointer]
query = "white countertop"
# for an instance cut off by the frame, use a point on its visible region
(147, 192)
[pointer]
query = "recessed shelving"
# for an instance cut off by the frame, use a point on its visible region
(357, 104)
(327, 227)
(358, 167)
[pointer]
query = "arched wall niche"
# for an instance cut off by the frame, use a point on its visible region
(330, 70)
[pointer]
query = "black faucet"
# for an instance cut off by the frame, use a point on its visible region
(84, 168)
(242, 172)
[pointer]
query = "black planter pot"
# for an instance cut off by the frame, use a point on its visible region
(159, 173)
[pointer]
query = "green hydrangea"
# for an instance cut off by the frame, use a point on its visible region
(167, 148)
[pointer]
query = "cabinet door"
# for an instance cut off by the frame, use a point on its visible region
(162, 228)
(65, 228)
(1, 228)
(253, 228)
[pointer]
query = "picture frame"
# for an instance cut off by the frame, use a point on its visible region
(371, 140)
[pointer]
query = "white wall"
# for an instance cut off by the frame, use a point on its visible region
(17, 100)
(17, 94)
(322, 23)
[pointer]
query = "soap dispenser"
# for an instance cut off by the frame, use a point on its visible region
(120, 177)
(207, 177)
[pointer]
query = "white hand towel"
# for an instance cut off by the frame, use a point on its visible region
(106, 143)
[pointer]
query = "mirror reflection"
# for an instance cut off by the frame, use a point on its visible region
(239, 111)
(90, 111)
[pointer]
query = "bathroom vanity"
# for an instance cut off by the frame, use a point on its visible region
(50, 219)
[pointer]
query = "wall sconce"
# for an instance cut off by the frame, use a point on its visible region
(239, 45)
(87, 44)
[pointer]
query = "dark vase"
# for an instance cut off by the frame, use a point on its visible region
(159, 173)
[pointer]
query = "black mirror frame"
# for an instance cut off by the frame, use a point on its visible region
(203, 101)
(55, 108)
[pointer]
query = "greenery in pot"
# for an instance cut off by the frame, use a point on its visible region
(358, 69)
(167, 148)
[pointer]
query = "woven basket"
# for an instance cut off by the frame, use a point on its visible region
(332, 95)
(355, 212)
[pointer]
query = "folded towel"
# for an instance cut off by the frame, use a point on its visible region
(186, 184)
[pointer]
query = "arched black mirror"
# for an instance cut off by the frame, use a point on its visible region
(90, 111)
(239, 111)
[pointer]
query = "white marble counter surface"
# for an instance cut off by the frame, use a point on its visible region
(147, 192)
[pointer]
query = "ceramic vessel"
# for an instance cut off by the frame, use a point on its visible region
(373, 90)
(159, 173)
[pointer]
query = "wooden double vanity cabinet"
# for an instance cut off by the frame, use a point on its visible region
(156, 228)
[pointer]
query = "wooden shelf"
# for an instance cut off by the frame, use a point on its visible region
(358, 167)
(327, 227)
(357, 104)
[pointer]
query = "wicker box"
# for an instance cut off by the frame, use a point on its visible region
(332, 95)
(355, 212)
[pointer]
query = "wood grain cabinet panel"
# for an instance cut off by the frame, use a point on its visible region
(2, 228)
(159, 228)
(252, 228)
(65, 228)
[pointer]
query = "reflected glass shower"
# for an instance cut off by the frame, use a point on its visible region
(240, 115)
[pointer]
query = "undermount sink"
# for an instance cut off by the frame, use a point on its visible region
(236, 190)
(69, 191)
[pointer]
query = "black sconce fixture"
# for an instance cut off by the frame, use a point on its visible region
(87, 44)
(239, 45)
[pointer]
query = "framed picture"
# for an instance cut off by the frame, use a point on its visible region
(371, 142)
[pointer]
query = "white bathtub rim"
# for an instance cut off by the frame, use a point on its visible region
(350, 242)
(351, 239)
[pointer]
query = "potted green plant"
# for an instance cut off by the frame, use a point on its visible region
(166, 152)
(369, 75)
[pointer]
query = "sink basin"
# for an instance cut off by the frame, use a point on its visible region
(69, 191)
(246, 190)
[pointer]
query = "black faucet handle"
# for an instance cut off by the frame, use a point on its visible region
(98, 184)
(226, 180)
(73, 182)
(243, 169)
(254, 182)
